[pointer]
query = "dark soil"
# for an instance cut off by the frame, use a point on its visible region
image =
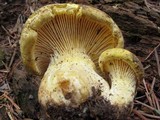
(140, 24)
(93, 109)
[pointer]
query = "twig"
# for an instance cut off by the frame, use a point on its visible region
(15, 44)
(3, 105)
(153, 83)
(12, 58)
(148, 66)
(145, 105)
(157, 111)
(10, 115)
(16, 63)
(156, 101)
(149, 99)
(9, 41)
(7, 68)
(153, 94)
(147, 93)
(144, 82)
(31, 9)
(139, 115)
(148, 115)
(18, 24)
(152, 91)
(140, 97)
(8, 33)
(153, 100)
(1, 97)
(13, 103)
(4, 71)
(157, 60)
(152, 52)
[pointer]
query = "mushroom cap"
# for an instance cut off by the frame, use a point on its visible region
(59, 28)
(126, 56)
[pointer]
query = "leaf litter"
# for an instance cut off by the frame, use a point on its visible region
(14, 78)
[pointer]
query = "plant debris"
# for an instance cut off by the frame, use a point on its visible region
(139, 20)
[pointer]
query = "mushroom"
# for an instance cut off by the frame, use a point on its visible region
(124, 72)
(62, 43)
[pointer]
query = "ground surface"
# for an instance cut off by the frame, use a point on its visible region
(140, 24)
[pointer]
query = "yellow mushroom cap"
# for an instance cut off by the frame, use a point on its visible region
(59, 28)
(108, 57)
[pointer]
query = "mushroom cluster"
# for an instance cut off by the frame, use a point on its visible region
(76, 48)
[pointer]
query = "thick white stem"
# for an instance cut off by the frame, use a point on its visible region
(123, 84)
(69, 81)
(122, 91)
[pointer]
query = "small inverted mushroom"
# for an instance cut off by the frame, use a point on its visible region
(62, 43)
(124, 72)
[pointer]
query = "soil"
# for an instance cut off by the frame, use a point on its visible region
(140, 24)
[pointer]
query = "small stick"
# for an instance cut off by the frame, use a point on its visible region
(153, 83)
(157, 60)
(148, 115)
(154, 109)
(148, 66)
(4, 71)
(149, 99)
(3, 105)
(10, 115)
(15, 44)
(140, 97)
(8, 33)
(9, 41)
(138, 114)
(144, 82)
(153, 100)
(152, 52)
(145, 105)
(7, 68)
(13, 103)
(12, 58)
(156, 100)
(152, 91)
(147, 93)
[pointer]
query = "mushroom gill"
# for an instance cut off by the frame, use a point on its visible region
(123, 71)
(63, 42)
(66, 34)
(58, 29)
(122, 81)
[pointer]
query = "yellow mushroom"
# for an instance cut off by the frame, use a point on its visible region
(124, 72)
(62, 43)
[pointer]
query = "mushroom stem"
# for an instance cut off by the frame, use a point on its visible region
(123, 83)
(69, 80)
